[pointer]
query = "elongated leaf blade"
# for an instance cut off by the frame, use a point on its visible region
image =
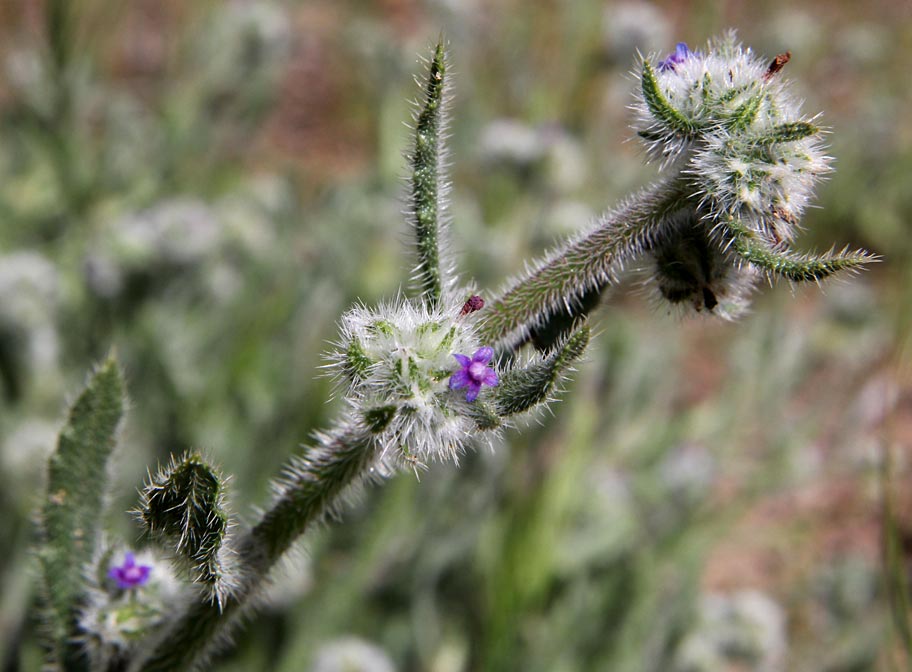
(76, 485)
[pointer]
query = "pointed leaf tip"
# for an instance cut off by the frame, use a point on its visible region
(427, 203)
(659, 106)
(521, 389)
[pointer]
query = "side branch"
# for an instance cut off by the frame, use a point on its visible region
(588, 262)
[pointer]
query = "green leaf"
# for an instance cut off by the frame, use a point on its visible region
(70, 526)
(746, 112)
(786, 264)
(790, 132)
(661, 109)
(521, 389)
(183, 506)
(310, 489)
(426, 164)
(378, 418)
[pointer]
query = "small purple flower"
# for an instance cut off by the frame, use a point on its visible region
(474, 373)
(681, 54)
(129, 574)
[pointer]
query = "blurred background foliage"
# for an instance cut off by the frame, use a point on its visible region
(206, 186)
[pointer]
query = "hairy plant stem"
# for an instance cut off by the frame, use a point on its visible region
(588, 262)
(313, 484)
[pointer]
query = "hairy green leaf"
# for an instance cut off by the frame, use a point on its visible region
(77, 479)
(426, 181)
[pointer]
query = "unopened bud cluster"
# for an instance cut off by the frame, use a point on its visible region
(725, 125)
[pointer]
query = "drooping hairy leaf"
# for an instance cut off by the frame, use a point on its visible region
(183, 506)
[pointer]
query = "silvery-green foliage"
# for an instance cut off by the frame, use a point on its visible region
(631, 26)
(393, 364)
(351, 654)
(30, 291)
(746, 628)
(417, 383)
(24, 451)
(240, 55)
(172, 236)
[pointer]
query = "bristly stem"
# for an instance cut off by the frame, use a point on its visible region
(427, 187)
(590, 261)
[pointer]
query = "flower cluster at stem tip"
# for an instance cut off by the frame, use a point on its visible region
(394, 367)
(730, 136)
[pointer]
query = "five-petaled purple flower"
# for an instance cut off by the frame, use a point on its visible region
(681, 54)
(129, 574)
(474, 372)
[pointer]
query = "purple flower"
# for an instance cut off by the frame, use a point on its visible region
(681, 54)
(474, 372)
(129, 574)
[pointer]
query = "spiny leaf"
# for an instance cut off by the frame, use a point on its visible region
(794, 267)
(524, 388)
(77, 481)
(183, 506)
(426, 201)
